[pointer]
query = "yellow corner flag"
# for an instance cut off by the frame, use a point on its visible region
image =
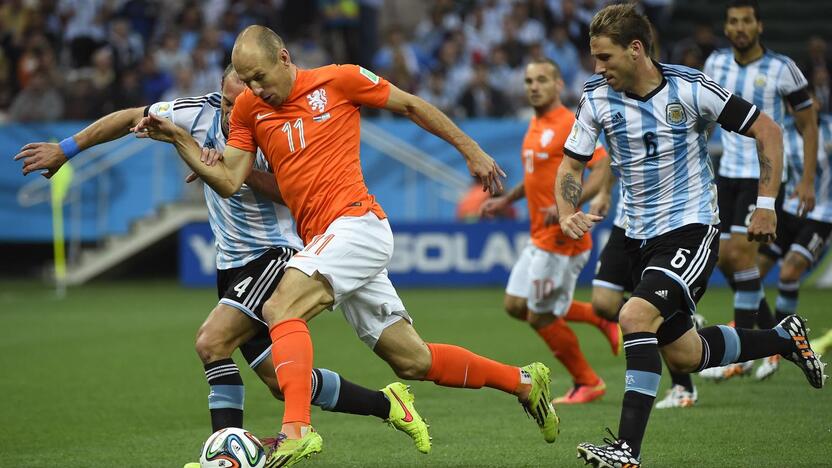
(60, 183)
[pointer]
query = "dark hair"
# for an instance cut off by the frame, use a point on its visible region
(742, 4)
(623, 25)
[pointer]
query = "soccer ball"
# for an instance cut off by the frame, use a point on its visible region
(232, 447)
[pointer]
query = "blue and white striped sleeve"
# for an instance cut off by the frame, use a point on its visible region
(580, 144)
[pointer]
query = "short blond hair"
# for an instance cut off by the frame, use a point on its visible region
(623, 25)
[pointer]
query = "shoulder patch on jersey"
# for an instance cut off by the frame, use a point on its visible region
(369, 75)
(675, 114)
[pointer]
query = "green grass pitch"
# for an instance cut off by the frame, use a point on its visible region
(108, 378)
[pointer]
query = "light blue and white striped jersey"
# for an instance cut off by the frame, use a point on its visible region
(658, 145)
(767, 83)
(620, 220)
(247, 224)
(793, 150)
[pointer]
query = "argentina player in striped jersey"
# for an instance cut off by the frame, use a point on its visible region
(801, 241)
(654, 118)
(769, 81)
(255, 237)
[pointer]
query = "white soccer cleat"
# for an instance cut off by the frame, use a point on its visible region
(678, 397)
(718, 374)
(769, 366)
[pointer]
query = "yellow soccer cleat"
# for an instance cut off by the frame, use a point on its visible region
(539, 405)
(192, 465)
(286, 452)
(404, 417)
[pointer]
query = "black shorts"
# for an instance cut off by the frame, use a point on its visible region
(246, 288)
(672, 270)
(803, 235)
(614, 268)
(737, 200)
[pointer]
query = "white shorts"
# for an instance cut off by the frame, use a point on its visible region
(352, 254)
(547, 280)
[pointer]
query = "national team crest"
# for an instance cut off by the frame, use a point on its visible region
(760, 81)
(546, 137)
(676, 114)
(317, 100)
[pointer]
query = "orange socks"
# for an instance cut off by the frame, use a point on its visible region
(564, 345)
(583, 312)
(453, 366)
(292, 357)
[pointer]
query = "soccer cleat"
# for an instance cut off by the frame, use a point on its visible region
(538, 404)
(612, 332)
(802, 355)
(615, 454)
(823, 344)
(287, 452)
(403, 415)
(192, 465)
(720, 373)
(582, 394)
(678, 397)
(768, 367)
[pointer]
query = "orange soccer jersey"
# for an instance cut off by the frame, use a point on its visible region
(542, 154)
(312, 142)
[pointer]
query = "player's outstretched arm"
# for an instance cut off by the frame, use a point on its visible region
(427, 116)
(225, 177)
(769, 138)
(573, 222)
(806, 121)
(49, 157)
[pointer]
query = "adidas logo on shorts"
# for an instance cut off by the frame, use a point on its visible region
(662, 293)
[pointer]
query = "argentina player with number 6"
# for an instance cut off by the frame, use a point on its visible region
(652, 115)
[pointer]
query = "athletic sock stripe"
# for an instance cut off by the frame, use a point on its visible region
(258, 283)
(642, 341)
(224, 374)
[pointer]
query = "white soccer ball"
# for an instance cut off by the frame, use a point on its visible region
(232, 447)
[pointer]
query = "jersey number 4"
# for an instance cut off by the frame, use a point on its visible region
(242, 286)
(287, 129)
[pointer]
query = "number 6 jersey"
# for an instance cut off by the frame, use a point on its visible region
(658, 145)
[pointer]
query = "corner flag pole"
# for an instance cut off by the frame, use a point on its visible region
(60, 183)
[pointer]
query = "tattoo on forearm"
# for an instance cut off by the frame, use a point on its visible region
(765, 165)
(570, 190)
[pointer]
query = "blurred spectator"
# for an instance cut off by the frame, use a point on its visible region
(5, 81)
(142, 15)
(563, 52)
(397, 61)
(658, 12)
(206, 75)
(190, 25)
(81, 99)
(477, 36)
(183, 85)
(154, 81)
(529, 29)
(573, 93)
(692, 58)
(480, 99)
(514, 48)
(127, 45)
(84, 27)
(430, 32)
(541, 10)
(340, 27)
(307, 52)
(129, 92)
(576, 23)
(210, 45)
(436, 93)
(457, 72)
(368, 15)
(821, 84)
(171, 56)
(104, 80)
(39, 101)
(701, 43)
(505, 78)
(818, 69)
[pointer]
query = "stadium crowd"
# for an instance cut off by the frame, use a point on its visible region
(81, 59)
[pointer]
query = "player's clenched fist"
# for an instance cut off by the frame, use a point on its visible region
(763, 226)
(579, 223)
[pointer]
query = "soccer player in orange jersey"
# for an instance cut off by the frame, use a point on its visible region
(307, 124)
(542, 282)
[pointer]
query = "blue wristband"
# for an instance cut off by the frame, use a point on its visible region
(69, 147)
